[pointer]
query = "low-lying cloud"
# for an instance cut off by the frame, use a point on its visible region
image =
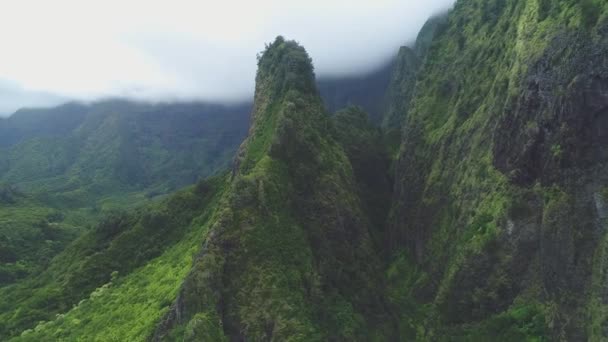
(13, 97)
(185, 50)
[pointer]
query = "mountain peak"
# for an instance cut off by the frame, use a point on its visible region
(285, 94)
(285, 65)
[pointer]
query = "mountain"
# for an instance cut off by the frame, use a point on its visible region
(64, 167)
(498, 215)
(487, 223)
(383, 93)
(402, 83)
(118, 146)
(31, 233)
(367, 90)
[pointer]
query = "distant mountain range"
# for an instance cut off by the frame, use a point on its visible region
(63, 167)
(118, 145)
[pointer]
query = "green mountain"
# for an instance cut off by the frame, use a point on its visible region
(117, 146)
(31, 233)
(498, 215)
(383, 93)
(292, 239)
(62, 168)
(402, 82)
(487, 223)
(288, 224)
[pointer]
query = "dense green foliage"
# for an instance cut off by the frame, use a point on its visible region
(63, 167)
(495, 214)
(403, 82)
(365, 148)
(114, 282)
(77, 152)
(31, 233)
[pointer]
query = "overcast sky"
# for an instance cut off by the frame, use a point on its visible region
(184, 50)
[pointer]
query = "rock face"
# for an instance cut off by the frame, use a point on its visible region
(554, 135)
(559, 122)
(500, 183)
(403, 78)
(290, 255)
(401, 88)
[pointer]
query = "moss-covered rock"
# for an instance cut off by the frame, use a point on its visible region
(496, 188)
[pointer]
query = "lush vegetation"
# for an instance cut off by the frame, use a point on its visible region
(118, 147)
(369, 156)
(30, 234)
(62, 168)
(135, 261)
(293, 241)
(403, 81)
(484, 178)
(476, 212)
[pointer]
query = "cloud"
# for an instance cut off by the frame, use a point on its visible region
(13, 97)
(190, 49)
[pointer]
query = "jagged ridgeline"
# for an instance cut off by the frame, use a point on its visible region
(290, 256)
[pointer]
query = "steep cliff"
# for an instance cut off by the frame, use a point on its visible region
(290, 256)
(498, 223)
(403, 79)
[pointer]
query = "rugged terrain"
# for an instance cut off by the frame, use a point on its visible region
(475, 211)
(499, 189)
(63, 168)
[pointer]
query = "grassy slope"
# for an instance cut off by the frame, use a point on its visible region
(109, 267)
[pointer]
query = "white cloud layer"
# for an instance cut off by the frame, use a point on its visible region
(186, 49)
